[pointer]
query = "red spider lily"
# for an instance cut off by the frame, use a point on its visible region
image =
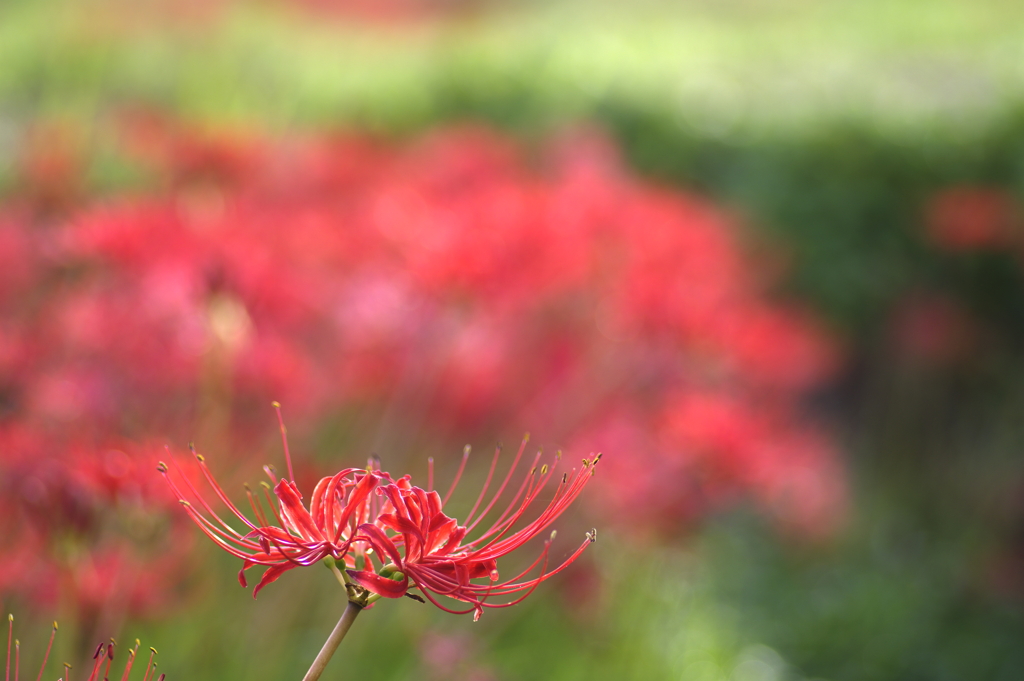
(103, 658)
(340, 503)
(428, 549)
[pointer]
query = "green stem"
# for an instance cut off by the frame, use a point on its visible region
(340, 629)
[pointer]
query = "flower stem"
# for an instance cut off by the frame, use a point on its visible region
(340, 629)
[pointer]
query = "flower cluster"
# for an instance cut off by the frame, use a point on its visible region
(390, 535)
(82, 527)
(451, 279)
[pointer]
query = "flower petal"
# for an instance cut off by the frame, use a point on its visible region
(382, 586)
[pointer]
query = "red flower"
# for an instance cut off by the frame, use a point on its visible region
(428, 549)
(302, 537)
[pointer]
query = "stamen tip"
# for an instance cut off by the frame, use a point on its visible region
(592, 535)
(275, 404)
(161, 467)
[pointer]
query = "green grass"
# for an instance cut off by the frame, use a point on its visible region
(722, 65)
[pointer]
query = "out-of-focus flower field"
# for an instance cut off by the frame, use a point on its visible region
(766, 257)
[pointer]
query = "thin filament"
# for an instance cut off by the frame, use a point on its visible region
(458, 474)
(284, 440)
(487, 483)
(46, 656)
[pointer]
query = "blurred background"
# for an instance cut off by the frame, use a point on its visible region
(766, 255)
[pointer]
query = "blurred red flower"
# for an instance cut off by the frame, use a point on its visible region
(968, 218)
(443, 288)
(87, 530)
(934, 329)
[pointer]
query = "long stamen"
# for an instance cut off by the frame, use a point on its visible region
(10, 635)
(284, 439)
(535, 583)
(152, 654)
(533, 490)
(590, 538)
(110, 658)
(17, 658)
(430, 474)
(163, 469)
(500, 524)
(257, 507)
(504, 483)
(458, 475)
(487, 483)
(46, 656)
(555, 507)
(131, 660)
(273, 508)
(98, 662)
(199, 497)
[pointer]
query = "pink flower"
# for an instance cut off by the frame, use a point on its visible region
(428, 550)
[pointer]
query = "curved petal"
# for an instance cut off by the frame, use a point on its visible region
(294, 513)
(381, 543)
(382, 586)
(271, 575)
